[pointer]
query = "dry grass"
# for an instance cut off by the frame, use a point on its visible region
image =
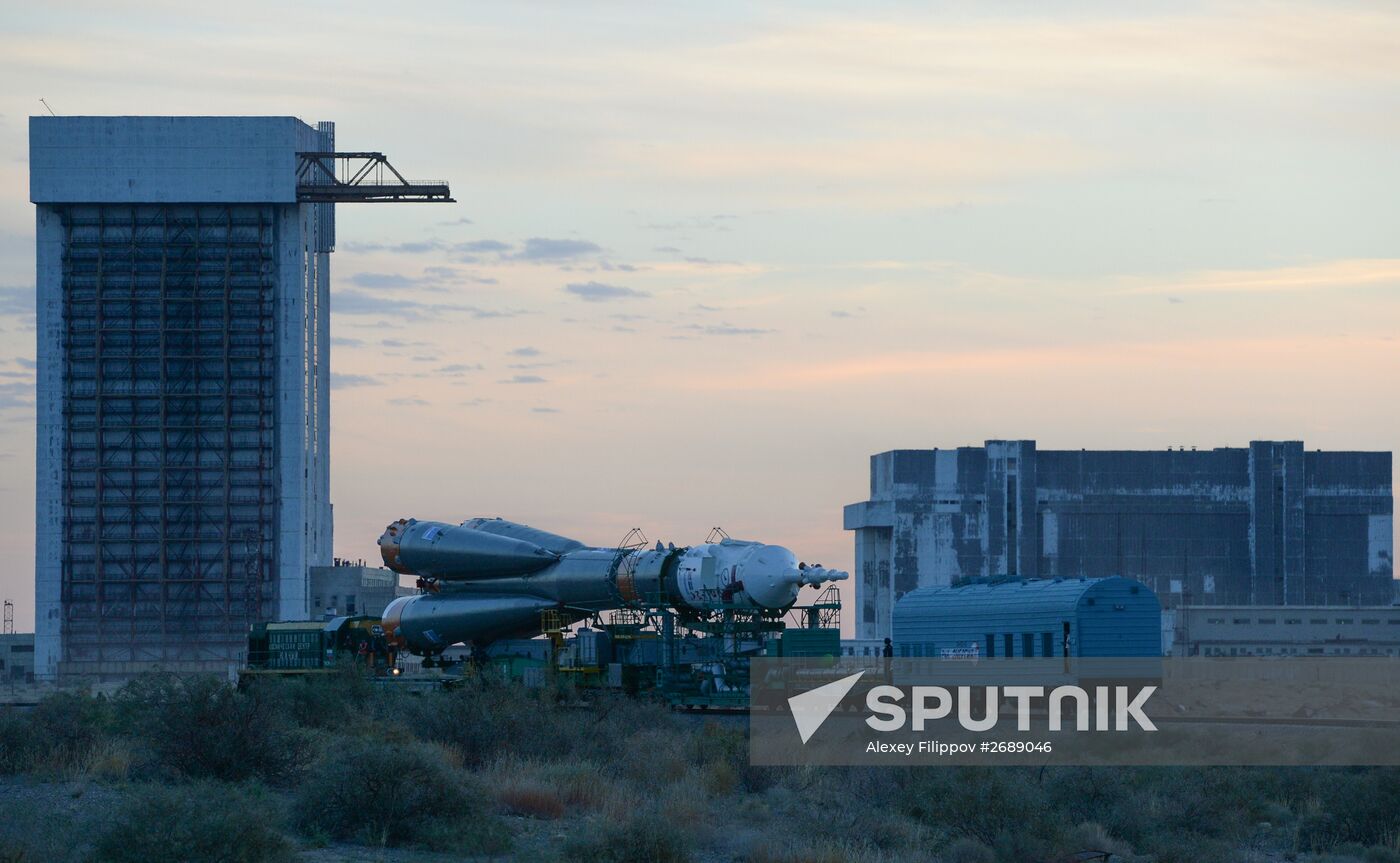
(532, 801)
(105, 761)
(555, 789)
(662, 756)
(824, 851)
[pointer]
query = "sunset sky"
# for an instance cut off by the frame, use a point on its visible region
(707, 258)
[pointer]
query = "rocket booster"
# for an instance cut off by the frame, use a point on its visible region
(492, 578)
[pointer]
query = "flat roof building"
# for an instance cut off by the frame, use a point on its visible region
(183, 465)
(1287, 630)
(1265, 524)
(351, 588)
(183, 387)
(16, 658)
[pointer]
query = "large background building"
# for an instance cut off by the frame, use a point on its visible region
(183, 386)
(1271, 524)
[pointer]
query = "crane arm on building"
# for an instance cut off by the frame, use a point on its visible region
(346, 178)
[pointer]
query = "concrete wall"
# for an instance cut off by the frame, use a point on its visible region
(1270, 523)
(307, 236)
(303, 452)
(17, 657)
(164, 160)
(371, 589)
(1288, 630)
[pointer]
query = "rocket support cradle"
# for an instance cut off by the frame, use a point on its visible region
(490, 579)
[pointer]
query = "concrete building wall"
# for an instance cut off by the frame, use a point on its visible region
(150, 224)
(1270, 523)
(353, 589)
(1287, 630)
(165, 160)
(17, 658)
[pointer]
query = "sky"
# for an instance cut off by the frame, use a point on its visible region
(707, 258)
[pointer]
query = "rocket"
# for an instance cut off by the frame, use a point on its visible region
(488, 578)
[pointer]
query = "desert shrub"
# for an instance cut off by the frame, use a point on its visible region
(479, 720)
(554, 789)
(323, 701)
(1166, 812)
(863, 813)
(381, 793)
(1359, 805)
(72, 722)
(19, 742)
(722, 753)
(1353, 852)
(646, 836)
(485, 719)
(966, 850)
(32, 831)
(202, 727)
(58, 735)
(1093, 837)
(998, 807)
(108, 760)
(532, 800)
(203, 821)
(1318, 831)
(823, 851)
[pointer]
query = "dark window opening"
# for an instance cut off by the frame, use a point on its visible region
(1011, 519)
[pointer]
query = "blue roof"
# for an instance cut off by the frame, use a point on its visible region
(1112, 616)
(1040, 595)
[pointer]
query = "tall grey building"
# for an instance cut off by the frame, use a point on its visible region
(183, 381)
(1270, 524)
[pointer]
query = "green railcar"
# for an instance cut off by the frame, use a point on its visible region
(810, 641)
(304, 646)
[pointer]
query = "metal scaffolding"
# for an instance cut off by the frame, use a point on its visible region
(330, 178)
(169, 489)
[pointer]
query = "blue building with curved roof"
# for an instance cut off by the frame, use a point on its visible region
(1042, 618)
